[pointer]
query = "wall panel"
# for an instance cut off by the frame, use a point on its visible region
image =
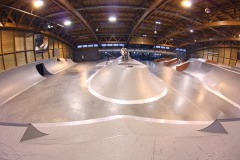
(56, 43)
(227, 52)
(221, 52)
(7, 41)
(50, 43)
(234, 53)
(9, 60)
(232, 62)
(61, 53)
(39, 56)
(51, 53)
(21, 58)
(30, 57)
(210, 57)
(205, 56)
(45, 55)
(19, 41)
(1, 63)
(215, 58)
(226, 62)
(220, 60)
(17, 48)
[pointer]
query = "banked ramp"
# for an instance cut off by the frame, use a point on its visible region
(218, 79)
(17, 80)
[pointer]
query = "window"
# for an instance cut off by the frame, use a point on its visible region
(90, 45)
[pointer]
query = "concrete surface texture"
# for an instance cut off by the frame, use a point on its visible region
(121, 138)
(217, 79)
(19, 79)
(177, 126)
(65, 97)
(126, 83)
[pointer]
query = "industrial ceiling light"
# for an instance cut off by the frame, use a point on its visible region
(112, 19)
(187, 3)
(96, 29)
(191, 30)
(158, 22)
(67, 23)
(144, 35)
(50, 26)
(155, 31)
(37, 3)
(207, 10)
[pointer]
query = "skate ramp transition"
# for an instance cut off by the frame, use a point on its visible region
(54, 66)
(126, 83)
(19, 79)
(217, 79)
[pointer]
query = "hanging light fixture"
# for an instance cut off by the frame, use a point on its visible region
(37, 3)
(155, 31)
(187, 3)
(207, 10)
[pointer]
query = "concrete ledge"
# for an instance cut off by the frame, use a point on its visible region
(170, 62)
(183, 66)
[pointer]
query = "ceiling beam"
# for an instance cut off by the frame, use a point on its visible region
(217, 24)
(178, 15)
(73, 11)
(32, 29)
(98, 7)
(210, 25)
(212, 39)
(33, 15)
(221, 10)
(154, 6)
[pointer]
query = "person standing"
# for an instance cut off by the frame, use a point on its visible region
(82, 58)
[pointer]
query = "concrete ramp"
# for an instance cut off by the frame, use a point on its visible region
(54, 66)
(16, 80)
(126, 83)
(220, 80)
(104, 63)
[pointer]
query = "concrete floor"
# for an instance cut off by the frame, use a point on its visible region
(64, 97)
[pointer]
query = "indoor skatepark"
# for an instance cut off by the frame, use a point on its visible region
(134, 87)
(68, 113)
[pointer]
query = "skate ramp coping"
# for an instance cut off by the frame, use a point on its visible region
(53, 66)
(221, 81)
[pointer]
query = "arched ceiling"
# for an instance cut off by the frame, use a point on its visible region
(136, 20)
